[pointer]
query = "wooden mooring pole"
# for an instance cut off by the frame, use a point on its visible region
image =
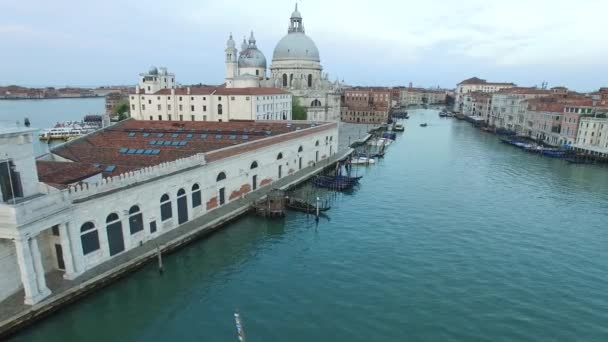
(160, 259)
(318, 200)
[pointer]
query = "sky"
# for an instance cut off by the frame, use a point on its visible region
(383, 42)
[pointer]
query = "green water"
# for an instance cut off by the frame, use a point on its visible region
(454, 236)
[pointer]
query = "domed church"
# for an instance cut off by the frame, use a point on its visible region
(296, 67)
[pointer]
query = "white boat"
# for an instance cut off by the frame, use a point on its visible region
(362, 160)
(399, 128)
(66, 131)
(381, 142)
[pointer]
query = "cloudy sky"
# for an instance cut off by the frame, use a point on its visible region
(382, 42)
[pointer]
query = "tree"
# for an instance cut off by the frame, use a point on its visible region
(122, 110)
(297, 111)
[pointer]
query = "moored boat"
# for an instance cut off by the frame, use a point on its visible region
(398, 128)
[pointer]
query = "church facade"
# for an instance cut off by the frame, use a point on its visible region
(296, 67)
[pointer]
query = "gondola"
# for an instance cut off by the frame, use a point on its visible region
(304, 207)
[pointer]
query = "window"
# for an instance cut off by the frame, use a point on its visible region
(169, 117)
(149, 101)
(192, 116)
(160, 118)
(300, 149)
(280, 156)
(204, 108)
(143, 107)
(89, 238)
(180, 98)
(168, 107)
(181, 107)
(158, 107)
(152, 227)
(132, 107)
(10, 181)
(231, 98)
(309, 80)
(219, 98)
(196, 196)
(192, 108)
(55, 230)
(284, 80)
(221, 176)
(151, 118)
(181, 118)
(254, 165)
(317, 143)
(219, 109)
(165, 208)
(136, 221)
(247, 98)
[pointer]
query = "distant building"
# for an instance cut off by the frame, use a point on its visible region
(412, 96)
(592, 136)
(367, 105)
(509, 106)
(113, 99)
(476, 84)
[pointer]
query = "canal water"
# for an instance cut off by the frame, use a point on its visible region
(45, 113)
(453, 236)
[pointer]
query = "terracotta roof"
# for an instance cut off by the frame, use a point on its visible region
(476, 80)
(524, 90)
(65, 173)
(132, 144)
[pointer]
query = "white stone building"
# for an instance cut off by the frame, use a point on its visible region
(212, 104)
(475, 84)
(592, 136)
(98, 196)
(155, 80)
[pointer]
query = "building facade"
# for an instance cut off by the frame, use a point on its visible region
(476, 84)
(212, 104)
(121, 187)
(592, 135)
(367, 105)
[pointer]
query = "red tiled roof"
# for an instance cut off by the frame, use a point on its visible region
(524, 90)
(104, 146)
(65, 173)
(476, 80)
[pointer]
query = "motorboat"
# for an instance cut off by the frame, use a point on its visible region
(423, 124)
(362, 160)
(398, 128)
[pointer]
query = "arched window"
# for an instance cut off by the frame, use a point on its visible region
(290, 80)
(315, 103)
(309, 80)
(284, 80)
(136, 220)
(300, 149)
(326, 140)
(280, 156)
(196, 196)
(317, 143)
(221, 176)
(89, 238)
(254, 165)
(219, 108)
(331, 138)
(112, 217)
(181, 192)
(165, 208)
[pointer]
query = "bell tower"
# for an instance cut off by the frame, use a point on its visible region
(231, 62)
(295, 22)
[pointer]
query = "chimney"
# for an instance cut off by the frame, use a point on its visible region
(188, 90)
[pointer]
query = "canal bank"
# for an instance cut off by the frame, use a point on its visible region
(14, 315)
(454, 236)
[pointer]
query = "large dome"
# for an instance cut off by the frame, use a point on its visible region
(252, 58)
(296, 46)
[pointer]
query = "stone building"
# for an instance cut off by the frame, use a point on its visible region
(367, 105)
(94, 198)
(207, 103)
(476, 84)
(593, 136)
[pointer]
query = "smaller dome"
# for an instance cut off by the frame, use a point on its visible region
(252, 58)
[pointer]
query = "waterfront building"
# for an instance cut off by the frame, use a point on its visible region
(412, 96)
(95, 197)
(593, 135)
(367, 104)
(477, 104)
(476, 84)
(509, 107)
(207, 103)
